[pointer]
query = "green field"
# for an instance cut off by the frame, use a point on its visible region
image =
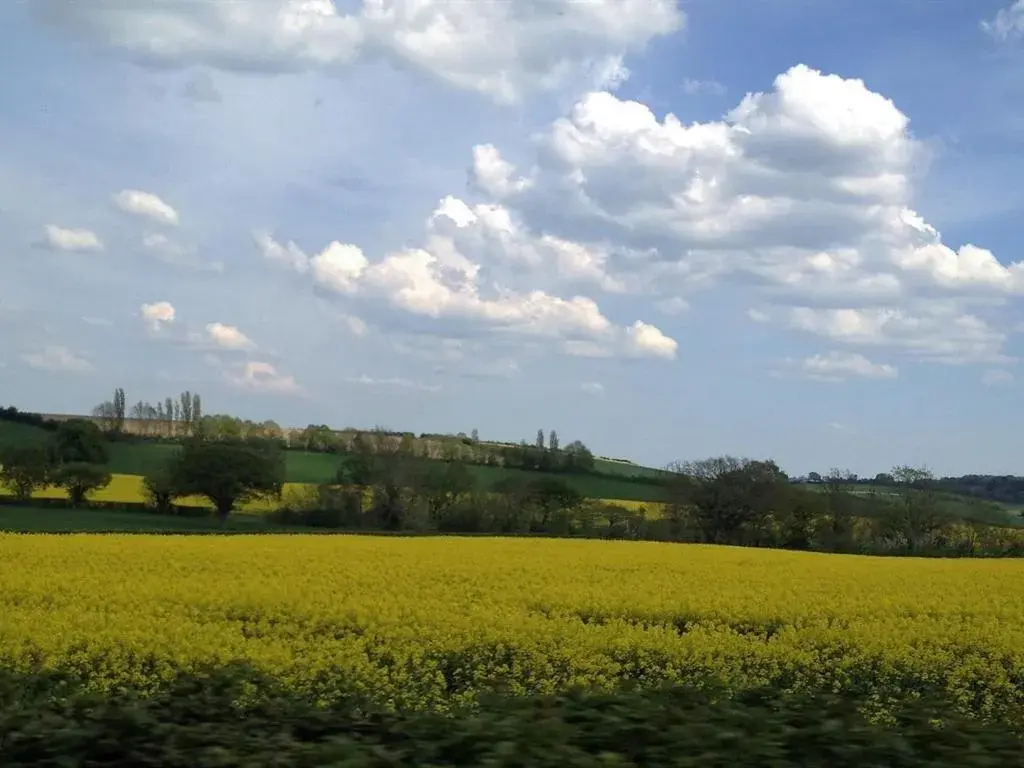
(20, 434)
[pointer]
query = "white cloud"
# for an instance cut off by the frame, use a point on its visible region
(393, 382)
(61, 239)
(228, 337)
(592, 388)
(645, 339)
(57, 358)
(339, 266)
(288, 255)
(502, 49)
(997, 377)
(442, 281)
(1008, 23)
(836, 366)
(158, 315)
(146, 204)
(937, 335)
(257, 376)
(802, 192)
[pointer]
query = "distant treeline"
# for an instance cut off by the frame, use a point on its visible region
(13, 415)
(1005, 489)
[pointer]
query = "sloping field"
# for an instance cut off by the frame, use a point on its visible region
(430, 622)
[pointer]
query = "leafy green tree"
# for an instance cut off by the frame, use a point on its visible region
(539, 443)
(79, 479)
(120, 409)
(25, 469)
(227, 473)
(839, 500)
(159, 489)
(732, 499)
(576, 457)
(918, 514)
(553, 441)
(799, 513)
(78, 441)
(554, 500)
(442, 487)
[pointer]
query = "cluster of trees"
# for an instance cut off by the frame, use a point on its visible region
(73, 458)
(722, 500)
(394, 491)
(171, 417)
(740, 501)
(228, 473)
(545, 456)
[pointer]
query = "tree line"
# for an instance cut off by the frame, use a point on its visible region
(73, 457)
(171, 417)
(722, 500)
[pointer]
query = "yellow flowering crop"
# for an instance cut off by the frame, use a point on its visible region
(426, 622)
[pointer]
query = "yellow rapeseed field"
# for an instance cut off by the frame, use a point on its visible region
(427, 622)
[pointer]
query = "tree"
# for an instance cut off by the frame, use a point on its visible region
(732, 499)
(917, 515)
(539, 443)
(25, 469)
(441, 487)
(106, 415)
(80, 478)
(813, 477)
(227, 473)
(160, 491)
(120, 404)
(576, 457)
(474, 436)
(197, 412)
(553, 441)
(186, 412)
(78, 441)
(839, 500)
(553, 499)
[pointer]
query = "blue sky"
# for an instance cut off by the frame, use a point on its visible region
(441, 216)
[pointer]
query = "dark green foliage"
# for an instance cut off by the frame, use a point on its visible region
(80, 478)
(12, 415)
(238, 718)
(79, 441)
(160, 490)
(227, 473)
(25, 468)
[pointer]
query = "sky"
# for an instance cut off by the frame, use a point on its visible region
(783, 229)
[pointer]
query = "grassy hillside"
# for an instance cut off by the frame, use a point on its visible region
(12, 433)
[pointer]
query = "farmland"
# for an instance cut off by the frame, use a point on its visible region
(455, 617)
(141, 458)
